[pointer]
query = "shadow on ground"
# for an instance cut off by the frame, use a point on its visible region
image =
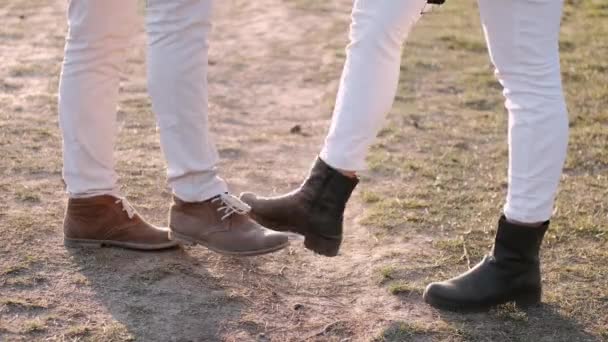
(542, 323)
(167, 296)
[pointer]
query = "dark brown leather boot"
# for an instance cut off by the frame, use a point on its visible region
(223, 225)
(314, 210)
(510, 273)
(109, 221)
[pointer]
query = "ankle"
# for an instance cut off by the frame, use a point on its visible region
(349, 174)
(525, 224)
(345, 173)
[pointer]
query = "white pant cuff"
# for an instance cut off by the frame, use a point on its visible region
(196, 193)
(342, 163)
(526, 216)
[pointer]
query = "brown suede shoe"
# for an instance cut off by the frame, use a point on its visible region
(109, 221)
(222, 224)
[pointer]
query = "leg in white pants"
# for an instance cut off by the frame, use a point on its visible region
(523, 37)
(99, 34)
(523, 40)
(178, 32)
(369, 79)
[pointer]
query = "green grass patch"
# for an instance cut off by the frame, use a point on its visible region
(22, 304)
(441, 166)
(404, 288)
(77, 332)
(34, 326)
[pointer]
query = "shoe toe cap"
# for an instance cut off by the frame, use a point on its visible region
(276, 238)
(435, 292)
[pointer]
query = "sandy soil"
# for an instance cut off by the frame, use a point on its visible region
(425, 211)
(272, 67)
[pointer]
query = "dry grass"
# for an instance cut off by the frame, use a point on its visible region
(441, 176)
(424, 212)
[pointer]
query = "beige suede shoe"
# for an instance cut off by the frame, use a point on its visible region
(110, 221)
(222, 224)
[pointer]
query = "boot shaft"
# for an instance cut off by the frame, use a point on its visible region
(518, 242)
(327, 188)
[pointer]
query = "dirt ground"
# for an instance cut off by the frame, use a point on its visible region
(275, 65)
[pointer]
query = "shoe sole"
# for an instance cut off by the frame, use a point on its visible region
(522, 301)
(186, 240)
(86, 243)
(319, 244)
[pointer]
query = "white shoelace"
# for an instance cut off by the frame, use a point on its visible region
(231, 205)
(126, 206)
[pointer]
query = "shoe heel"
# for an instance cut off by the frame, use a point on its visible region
(81, 244)
(529, 299)
(183, 240)
(322, 245)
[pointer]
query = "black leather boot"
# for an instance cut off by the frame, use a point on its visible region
(511, 272)
(314, 210)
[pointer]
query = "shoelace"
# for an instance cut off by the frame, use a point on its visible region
(231, 205)
(126, 206)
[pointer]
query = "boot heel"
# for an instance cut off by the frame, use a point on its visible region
(322, 245)
(70, 243)
(526, 300)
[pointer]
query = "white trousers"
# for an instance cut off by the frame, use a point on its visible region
(100, 32)
(522, 37)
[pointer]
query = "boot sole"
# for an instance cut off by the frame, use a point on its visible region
(87, 243)
(319, 244)
(523, 301)
(186, 240)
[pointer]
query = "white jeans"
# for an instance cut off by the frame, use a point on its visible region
(522, 36)
(99, 33)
